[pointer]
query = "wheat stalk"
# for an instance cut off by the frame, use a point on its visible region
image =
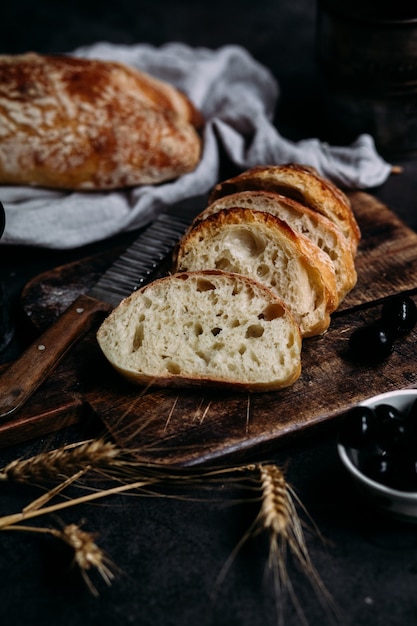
(279, 517)
(87, 554)
(64, 461)
(29, 512)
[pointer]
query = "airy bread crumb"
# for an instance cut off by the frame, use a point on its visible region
(263, 247)
(210, 327)
(317, 227)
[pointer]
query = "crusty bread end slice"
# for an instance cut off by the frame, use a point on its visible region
(204, 328)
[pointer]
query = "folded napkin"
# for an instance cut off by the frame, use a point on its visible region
(237, 97)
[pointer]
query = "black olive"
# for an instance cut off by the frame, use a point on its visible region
(393, 434)
(379, 467)
(2, 219)
(387, 411)
(371, 343)
(399, 315)
(393, 428)
(358, 428)
(385, 440)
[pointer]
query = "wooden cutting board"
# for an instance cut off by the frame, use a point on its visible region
(191, 427)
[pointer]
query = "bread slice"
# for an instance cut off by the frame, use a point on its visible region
(318, 228)
(74, 123)
(302, 183)
(263, 247)
(203, 328)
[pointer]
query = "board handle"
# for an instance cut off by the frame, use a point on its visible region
(23, 377)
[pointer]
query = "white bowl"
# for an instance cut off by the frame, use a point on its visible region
(400, 504)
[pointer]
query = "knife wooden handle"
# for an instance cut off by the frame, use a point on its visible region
(21, 379)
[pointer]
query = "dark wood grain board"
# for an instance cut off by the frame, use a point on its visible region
(190, 427)
(54, 407)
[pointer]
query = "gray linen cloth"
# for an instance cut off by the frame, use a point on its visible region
(237, 97)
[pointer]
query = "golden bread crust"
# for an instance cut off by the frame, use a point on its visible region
(303, 184)
(73, 123)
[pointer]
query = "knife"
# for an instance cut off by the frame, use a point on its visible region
(129, 272)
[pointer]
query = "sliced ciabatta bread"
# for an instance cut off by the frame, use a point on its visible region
(318, 228)
(263, 247)
(302, 183)
(211, 328)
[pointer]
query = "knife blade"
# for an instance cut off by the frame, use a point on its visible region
(129, 272)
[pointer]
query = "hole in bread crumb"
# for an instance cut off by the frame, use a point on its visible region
(147, 302)
(205, 285)
(224, 264)
(138, 338)
(219, 345)
(216, 331)
(291, 340)
(203, 356)
(254, 330)
(173, 367)
(198, 329)
(262, 270)
(254, 245)
(242, 349)
(271, 312)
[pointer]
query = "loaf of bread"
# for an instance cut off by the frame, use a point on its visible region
(83, 124)
(260, 245)
(209, 327)
(302, 183)
(318, 228)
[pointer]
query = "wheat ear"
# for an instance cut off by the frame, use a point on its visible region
(279, 517)
(97, 454)
(87, 554)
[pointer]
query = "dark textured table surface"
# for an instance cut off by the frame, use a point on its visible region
(171, 552)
